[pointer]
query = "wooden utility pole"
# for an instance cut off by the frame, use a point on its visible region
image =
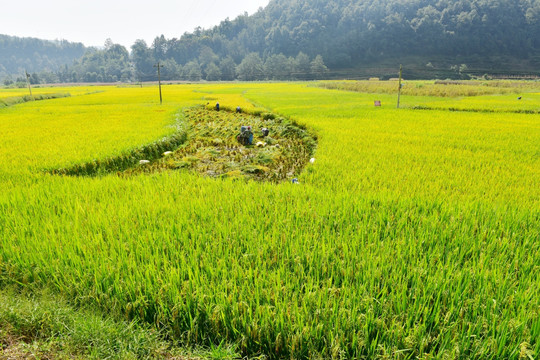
(28, 83)
(399, 88)
(159, 80)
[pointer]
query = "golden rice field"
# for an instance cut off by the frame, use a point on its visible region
(415, 233)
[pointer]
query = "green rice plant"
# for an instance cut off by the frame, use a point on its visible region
(124, 161)
(413, 234)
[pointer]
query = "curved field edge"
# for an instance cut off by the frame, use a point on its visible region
(129, 158)
(206, 141)
(61, 132)
(14, 100)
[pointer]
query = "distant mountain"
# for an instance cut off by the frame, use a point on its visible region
(355, 33)
(346, 32)
(35, 55)
(301, 39)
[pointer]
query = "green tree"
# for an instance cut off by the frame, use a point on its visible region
(251, 68)
(207, 57)
(143, 60)
(302, 66)
(90, 77)
(159, 48)
(227, 68)
(170, 70)
(8, 81)
(192, 71)
(48, 77)
(34, 79)
(318, 68)
(277, 67)
(212, 72)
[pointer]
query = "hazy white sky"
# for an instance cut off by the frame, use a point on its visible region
(93, 21)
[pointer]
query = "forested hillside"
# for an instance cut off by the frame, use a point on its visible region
(352, 33)
(347, 31)
(303, 39)
(35, 55)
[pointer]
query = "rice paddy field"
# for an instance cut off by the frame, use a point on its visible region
(413, 234)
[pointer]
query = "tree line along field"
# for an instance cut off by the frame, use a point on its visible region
(414, 234)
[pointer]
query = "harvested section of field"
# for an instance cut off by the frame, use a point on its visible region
(210, 142)
(433, 88)
(279, 148)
